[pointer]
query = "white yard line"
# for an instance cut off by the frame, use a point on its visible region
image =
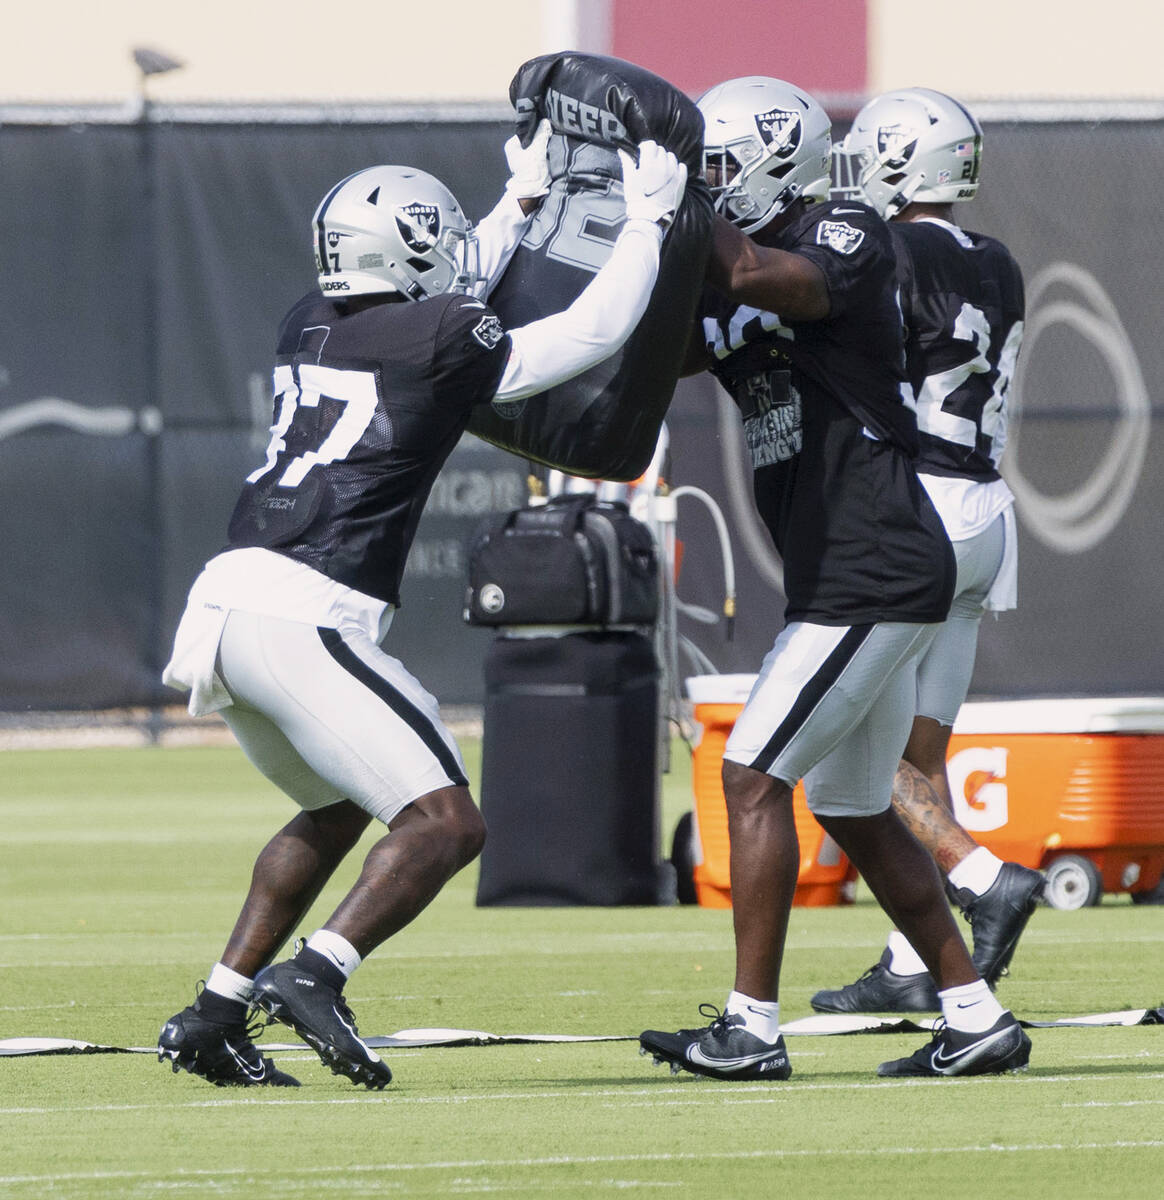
(570, 1160)
(693, 1091)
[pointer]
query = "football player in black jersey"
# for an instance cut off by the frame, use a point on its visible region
(911, 155)
(377, 371)
(805, 334)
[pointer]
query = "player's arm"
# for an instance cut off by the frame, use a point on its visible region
(775, 280)
(549, 351)
(499, 233)
(696, 357)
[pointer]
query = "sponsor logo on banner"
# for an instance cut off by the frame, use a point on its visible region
(419, 225)
(781, 129)
(839, 236)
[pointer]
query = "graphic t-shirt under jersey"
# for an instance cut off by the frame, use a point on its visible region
(368, 405)
(831, 434)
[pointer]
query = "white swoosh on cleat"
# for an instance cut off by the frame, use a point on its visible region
(372, 1055)
(242, 1062)
(695, 1054)
(943, 1062)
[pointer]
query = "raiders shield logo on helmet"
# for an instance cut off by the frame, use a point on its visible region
(780, 128)
(839, 236)
(895, 145)
(419, 225)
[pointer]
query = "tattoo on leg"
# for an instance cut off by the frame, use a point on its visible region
(929, 820)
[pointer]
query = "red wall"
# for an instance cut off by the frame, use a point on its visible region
(818, 44)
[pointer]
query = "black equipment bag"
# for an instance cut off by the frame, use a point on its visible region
(604, 423)
(569, 771)
(574, 560)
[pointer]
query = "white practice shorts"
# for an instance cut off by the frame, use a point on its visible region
(326, 715)
(944, 672)
(833, 705)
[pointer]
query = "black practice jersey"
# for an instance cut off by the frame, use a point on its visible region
(368, 405)
(832, 435)
(962, 299)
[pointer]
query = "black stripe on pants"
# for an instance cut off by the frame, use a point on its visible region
(811, 695)
(396, 701)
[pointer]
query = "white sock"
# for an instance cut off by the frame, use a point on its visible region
(222, 981)
(336, 949)
(972, 1007)
(976, 872)
(761, 1017)
(904, 959)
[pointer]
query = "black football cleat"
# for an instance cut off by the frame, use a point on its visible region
(879, 990)
(220, 1052)
(722, 1050)
(1002, 1048)
(999, 916)
(288, 993)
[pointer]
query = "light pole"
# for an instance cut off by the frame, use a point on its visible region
(152, 62)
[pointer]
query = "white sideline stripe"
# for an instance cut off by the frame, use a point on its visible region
(1109, 1103)
(569, 1160)
(692, 1089)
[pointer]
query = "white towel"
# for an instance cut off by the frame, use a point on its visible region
(191, 666)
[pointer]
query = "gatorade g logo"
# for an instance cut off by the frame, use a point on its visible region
(419, 225)
(978, 783)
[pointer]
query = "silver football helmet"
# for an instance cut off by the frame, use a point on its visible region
(906, 146)
(766, 143)
(393, 229)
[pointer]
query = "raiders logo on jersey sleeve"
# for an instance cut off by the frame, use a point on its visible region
(488, 331)
(839, 236)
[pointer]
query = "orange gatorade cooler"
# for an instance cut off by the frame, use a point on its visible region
(1074, 788)
(826, 875)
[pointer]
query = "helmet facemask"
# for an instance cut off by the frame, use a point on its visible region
(766, 145)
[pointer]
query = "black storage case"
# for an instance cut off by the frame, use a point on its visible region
(569, 779)
(574, 560)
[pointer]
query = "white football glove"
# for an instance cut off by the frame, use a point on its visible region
(655, 186)
(529, 171)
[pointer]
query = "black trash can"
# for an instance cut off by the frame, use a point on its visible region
(569, 773)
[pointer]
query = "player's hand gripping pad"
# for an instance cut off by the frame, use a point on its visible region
(604, 423)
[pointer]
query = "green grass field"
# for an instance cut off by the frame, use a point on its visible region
(121, 873)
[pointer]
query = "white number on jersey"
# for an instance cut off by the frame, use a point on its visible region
(355, 390)
(933, 417)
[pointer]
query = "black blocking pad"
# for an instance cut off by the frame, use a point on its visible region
(604, 423)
